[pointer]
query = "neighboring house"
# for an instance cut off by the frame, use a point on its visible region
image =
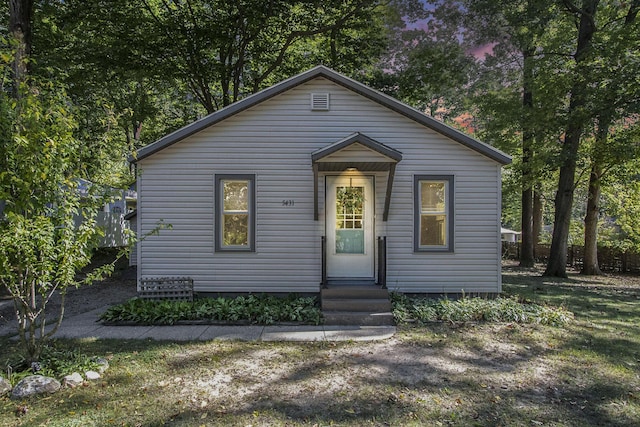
(111, 218)
(132, 219)
(321, 180)
(509, 235)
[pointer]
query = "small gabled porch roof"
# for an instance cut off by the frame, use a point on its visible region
(387, 154)
(338, 157)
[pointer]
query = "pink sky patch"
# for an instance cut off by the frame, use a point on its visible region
(481, 51)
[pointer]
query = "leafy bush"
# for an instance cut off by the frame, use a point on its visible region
(258, 309)
(55, 361)
(58, 361)
(423, 310)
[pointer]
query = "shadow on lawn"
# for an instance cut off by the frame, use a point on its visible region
(607, 316)
(463, 374)
(438, 377)
(395, 397)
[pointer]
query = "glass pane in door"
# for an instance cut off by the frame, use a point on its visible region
(350, 220)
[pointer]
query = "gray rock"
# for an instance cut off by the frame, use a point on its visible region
(5, 386)
(34, 384)
(72, 380)
(104, 364)
(92, 375)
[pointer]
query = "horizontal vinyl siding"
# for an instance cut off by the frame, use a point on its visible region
(274, 140)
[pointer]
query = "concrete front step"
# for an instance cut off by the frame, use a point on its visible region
(356, 305)
(358, 318)
(367, 305)
(359, 292)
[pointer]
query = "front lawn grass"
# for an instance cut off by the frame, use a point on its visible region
(465, 374)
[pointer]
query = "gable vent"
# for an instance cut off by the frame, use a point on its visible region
(319, 101)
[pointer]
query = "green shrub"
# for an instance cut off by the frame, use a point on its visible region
(466, 309)
(55, 361)
(58, 361)
(257, 309)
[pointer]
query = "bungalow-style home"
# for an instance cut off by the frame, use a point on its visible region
(320, 181)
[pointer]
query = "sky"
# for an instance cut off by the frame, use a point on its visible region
(478, 52)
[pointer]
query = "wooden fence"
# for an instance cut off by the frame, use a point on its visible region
(609, 259)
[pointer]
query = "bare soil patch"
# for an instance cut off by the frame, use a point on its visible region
(113, 290)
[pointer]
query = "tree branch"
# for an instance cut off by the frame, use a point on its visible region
(572, 8)
(295, 35)
(634, 8)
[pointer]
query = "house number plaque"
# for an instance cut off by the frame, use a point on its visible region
(288, 202)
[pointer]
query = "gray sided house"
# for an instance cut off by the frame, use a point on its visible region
(320, 180)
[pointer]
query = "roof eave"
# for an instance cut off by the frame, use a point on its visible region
(226, 112)
(421, 118)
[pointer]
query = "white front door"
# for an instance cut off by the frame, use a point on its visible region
(349, 227)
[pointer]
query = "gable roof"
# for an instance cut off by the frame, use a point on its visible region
(348, 83)
(357, 138)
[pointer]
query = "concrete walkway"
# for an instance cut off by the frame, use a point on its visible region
(86, 325)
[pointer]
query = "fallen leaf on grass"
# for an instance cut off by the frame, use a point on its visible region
(21, 410)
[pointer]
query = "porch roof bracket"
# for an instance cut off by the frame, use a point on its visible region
(387, 199)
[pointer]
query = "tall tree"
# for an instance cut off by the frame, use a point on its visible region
(42, 248)
(585, 16)
(226, 50)
(514, 33)
(97, 47)
(614, 98)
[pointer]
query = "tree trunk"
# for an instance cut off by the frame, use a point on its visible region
(20, 18)
(590, 262)
(526, 223)
(557, 264)
(538, 223)
(333, 48)
(526, 244)
(590, 265)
